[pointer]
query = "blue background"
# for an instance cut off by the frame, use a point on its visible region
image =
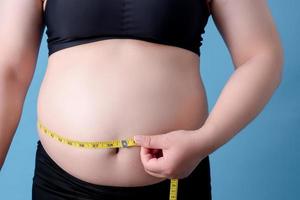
(262, 162)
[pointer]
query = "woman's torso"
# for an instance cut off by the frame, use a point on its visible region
(115, 89)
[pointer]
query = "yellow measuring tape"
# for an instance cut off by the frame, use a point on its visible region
(103, 144)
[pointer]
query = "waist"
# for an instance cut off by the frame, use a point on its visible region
(100, 101)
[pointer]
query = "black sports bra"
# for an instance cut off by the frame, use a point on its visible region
(177, 23)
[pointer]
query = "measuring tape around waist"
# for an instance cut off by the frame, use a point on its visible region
(125, 143)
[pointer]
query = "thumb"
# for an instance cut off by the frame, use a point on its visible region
(150, 141)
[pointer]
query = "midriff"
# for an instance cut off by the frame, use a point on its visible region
(115, 89)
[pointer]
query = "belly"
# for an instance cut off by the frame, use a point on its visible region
(115, 89)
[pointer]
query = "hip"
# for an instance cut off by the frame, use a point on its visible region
(50, 181)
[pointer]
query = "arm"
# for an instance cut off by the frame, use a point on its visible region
(20, 36)
(254, 45)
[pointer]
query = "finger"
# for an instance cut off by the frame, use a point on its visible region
(151, 141)
(145, 154)
(151, 162)
(156, 153)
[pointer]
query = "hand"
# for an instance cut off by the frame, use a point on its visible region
(171, 155)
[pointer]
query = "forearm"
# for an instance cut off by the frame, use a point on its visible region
(243, 97)
(11, 102)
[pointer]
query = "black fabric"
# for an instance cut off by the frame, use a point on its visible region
(178, 23)
(50, 182)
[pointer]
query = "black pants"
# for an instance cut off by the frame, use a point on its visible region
(51, 182)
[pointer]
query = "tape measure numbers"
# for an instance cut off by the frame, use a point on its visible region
(125, 143)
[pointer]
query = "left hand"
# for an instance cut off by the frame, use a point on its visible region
(171, 155)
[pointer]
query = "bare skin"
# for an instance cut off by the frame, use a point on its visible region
(118, 88)
(113, 89)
